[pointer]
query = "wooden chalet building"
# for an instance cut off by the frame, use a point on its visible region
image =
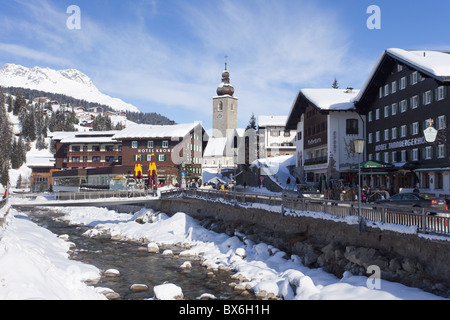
(177, 149)
(326, 123)
(407, 92)
(92, 159)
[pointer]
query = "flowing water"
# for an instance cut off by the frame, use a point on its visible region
(137, 266)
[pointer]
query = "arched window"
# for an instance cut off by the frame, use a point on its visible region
(220, 106)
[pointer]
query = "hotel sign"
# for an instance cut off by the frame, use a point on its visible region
(400, 144)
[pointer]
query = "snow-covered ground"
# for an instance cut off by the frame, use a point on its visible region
(34, 262)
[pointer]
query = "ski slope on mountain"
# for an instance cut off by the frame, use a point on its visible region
(69, 82)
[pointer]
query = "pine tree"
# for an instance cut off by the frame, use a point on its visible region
(10, 103)
(5, 142)
(335, 84)
(251, 123)
(19, 104)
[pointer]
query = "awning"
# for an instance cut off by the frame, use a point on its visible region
(373, 165)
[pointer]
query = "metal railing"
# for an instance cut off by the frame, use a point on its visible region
(103, 194)
(435, 222)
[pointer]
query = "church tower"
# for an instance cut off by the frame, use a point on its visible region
(225, 108)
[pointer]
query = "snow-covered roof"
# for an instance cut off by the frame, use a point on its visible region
(84, 137)
(272, 121)
(331, 99)
(142, 131)
(40, 162)
(89, 140)
(434, 63)
(215, 147)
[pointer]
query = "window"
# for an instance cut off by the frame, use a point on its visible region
(403, 131)
(96, 148)
(75, 148)
(386, 111)
(403, 106)
(220, 109)
(109, 148)
(399, 68)
(274, 133)
(415, 102)
(369, 138)
(441, 151)
(377, 136)
(386, 134)
(386, 90)
(415, 155)
(402, 83)
(134, 145)
(394, 109)
(352, 126)
(386, 157)
(95, 159)
(381, 93)
(76, 159)
(440, 93)
(377, 114)
(370, 116)
(441, 122)
(428, 153)
(109, 159)
(162, 157)
(415, 128)
(394, 133)
(414, 77)
(394, 87)
(150, 144)
(165, 144)
(403, 156)
(427, 97)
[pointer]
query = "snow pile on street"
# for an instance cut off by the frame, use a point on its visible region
(34, 264)
(263, 267)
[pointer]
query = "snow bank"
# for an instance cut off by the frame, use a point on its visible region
(266, 269)
(34, 264)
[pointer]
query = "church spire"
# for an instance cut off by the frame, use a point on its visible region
(225, 88)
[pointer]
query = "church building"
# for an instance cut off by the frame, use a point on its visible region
(222, 147)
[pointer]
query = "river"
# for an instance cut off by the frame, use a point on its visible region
(137, 266)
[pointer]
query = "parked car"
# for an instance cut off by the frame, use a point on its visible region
(415, 200)
(300, 191)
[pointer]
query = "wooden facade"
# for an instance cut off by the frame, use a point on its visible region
(401, 99)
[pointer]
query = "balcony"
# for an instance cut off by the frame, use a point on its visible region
(94, 154)
(319, 160)
(92, 164)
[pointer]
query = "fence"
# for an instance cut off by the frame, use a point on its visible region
(103, 194)
(426, 222)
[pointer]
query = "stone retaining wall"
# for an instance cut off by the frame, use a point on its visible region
(336, 246)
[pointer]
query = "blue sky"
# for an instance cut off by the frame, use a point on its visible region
(167, 56)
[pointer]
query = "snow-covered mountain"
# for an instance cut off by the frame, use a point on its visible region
(69, 82)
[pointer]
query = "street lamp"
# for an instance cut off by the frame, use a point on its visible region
(359, 149)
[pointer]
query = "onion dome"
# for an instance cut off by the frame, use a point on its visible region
(225, 88)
